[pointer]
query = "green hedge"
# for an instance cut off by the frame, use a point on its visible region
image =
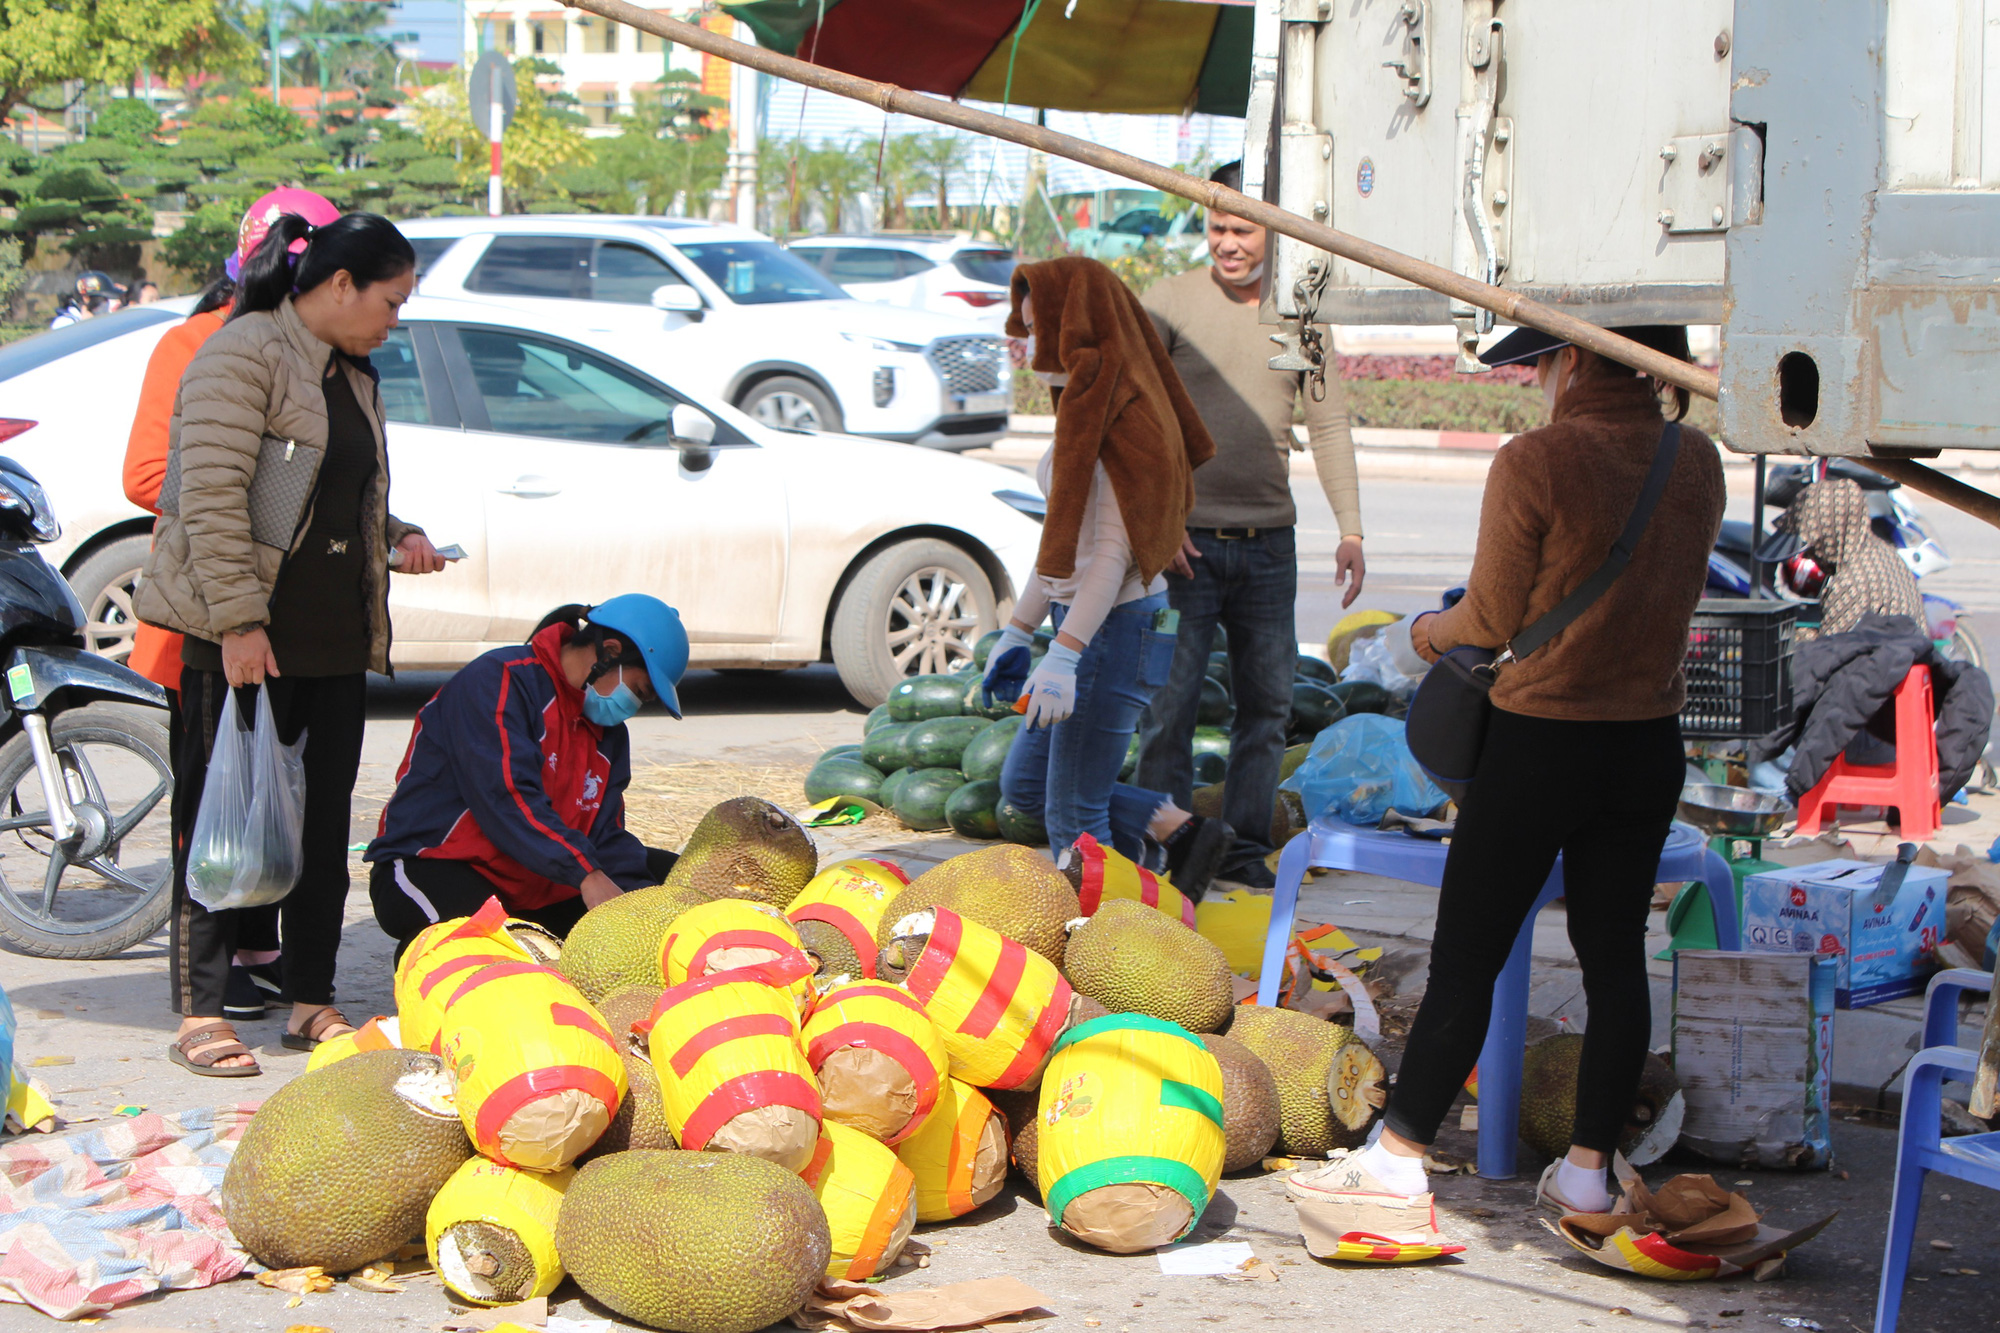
(11, 332)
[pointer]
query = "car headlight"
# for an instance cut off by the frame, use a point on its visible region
(882, 344)
(1023, 502)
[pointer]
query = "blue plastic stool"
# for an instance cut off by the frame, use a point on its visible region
(1920, 1146)
(1333, 845)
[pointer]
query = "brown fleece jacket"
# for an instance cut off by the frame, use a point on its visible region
(1556, 498)
(1124, 406)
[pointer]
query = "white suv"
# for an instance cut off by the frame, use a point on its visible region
(746, 322)
(946, 272)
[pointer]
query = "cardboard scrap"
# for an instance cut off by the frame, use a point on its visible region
(1690, 1227)
(527, 1314)
(851, 1306)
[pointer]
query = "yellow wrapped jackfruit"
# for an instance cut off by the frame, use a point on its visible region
(998, 1004)
(1129, 1143)
(539, 1073)
(727, 934)
(1100, 873)
(851, 897)
(733, 1076)
(958, 1155)
(442, 956)
(377, 1034)
(879, 1059)
(491, 1232)
(870, 1200)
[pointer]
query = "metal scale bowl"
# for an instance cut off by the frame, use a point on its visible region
(1737, 821)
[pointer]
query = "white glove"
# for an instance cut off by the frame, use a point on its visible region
(1052, 689)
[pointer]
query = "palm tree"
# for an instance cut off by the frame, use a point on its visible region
(935, 157)
(839, 172)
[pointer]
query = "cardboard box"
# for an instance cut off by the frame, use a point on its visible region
(1881, 950)
(1753, 1048)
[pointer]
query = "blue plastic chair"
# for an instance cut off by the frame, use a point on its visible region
(1333, 845)
(1920, 1145)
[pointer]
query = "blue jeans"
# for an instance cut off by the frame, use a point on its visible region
(1248, 586)
(1069, 771)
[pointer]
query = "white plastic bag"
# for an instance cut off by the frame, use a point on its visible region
(246, 850)
(1372, 661)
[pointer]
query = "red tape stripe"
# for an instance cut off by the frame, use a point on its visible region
(494, 972)
(880, 990)
(1046, 1030)
(898, 1046)
(458, 965)
(779, 972)
(766, 1087)
(938, 955)
(500, 1106)
(569, 1016)
(822, 1154)
(847, 924)
(490, 917)
(991, 1006)
(731, 939)
(727, 1030)
(1091, 895)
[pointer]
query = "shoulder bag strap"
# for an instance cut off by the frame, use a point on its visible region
(1574, 605)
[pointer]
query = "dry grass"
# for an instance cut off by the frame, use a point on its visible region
(666, 801)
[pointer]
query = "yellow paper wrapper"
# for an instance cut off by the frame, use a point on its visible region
(1106, 874)
(1130, 1143)
(729, 933)
(998, 1004)
(442, 956)
(870, 1200)
(484, 1203)
(377, 1034)
(851, 896)
(879, 1059)
(958, 1155)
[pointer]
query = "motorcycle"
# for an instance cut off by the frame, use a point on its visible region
(86, 847)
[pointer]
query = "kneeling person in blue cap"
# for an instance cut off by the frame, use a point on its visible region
(514, 781)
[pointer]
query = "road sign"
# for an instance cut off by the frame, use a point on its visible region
(491, 93)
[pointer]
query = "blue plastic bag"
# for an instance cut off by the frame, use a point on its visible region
(1359, 769)
(6, 1049)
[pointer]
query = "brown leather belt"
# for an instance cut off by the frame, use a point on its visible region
(1231, 534)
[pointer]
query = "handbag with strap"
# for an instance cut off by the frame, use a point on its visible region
(1446, 723)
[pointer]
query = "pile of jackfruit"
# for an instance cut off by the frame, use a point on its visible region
(762, 1073)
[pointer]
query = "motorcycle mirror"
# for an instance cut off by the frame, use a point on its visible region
(1778, 547)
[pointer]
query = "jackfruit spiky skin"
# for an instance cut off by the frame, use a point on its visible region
(693, 1242)
(747, 848)
(1014, 890)
(1135, 960)
(641, 1121)
(618, 943)
(625, 1006)
(1249, 1104)
(1548, 1095)
(497, 1255)
(1021, 1110)
(338, 1168)
(1300, 1050)
(832, 953)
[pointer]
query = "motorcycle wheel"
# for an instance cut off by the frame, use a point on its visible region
(1966, 647)
(111, 885)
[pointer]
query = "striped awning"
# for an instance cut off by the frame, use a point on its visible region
(1144, 56)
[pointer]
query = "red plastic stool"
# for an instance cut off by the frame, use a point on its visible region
(1910, 784)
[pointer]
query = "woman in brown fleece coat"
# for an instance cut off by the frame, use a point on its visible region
(1582, 757)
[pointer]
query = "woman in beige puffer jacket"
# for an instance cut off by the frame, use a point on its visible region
(272, 557)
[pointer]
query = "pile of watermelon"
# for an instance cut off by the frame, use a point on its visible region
(932, 754)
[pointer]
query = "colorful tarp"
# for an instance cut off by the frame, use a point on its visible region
(1155, 57)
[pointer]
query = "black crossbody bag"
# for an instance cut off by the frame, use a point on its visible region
(1446, 723)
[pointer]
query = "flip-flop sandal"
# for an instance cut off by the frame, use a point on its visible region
(316, 1030)
(205, 1064)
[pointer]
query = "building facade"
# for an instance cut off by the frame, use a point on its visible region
(606, 66)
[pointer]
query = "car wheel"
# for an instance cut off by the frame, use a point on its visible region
(915, 608)
(105, 584)
(787, 402)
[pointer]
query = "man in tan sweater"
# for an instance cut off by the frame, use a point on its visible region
(1239, 568)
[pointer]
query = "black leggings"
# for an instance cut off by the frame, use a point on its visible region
(414, 892)
(1603, 795)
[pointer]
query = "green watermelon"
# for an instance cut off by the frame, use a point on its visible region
(850, 751)
(941, 742)
(885, 747)
(976, 705)
(1362, 696)
(878, 716)
(986, 753)
(1218, 668)
(1214, 709)
(921, 698)
(1314, 708)
(970, 810)
(921, 800)
(891, 785)
(1293, 757)
(1218, 642)
(1211, 740)
(984, 648)
(1131, 764)
(1311, 668)
(843, 777)
(1210, 769)
(1043, 638)
(1017, 825)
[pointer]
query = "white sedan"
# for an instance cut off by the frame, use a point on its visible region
(570, 473)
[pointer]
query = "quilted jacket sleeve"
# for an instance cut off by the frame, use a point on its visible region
(225, 402)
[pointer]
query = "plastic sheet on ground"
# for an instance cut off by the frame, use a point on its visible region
(1359, 769)
(92, 1221)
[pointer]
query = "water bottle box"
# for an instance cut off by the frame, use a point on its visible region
(1882, 950)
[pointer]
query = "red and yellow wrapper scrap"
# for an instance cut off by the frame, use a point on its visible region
(998, 1004)
(521, 1203)
(733, 1075)
(441, 957)
(851, 897)
(727, 934)
(1108, 874)
(870, 1200)
(958, 1155)
(1129, 1146)
(539, 1073)
(879, 1059)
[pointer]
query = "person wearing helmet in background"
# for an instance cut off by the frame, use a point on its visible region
(156, 653)
(514, 781)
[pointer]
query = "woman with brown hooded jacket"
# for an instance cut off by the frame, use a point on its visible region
(1119, 482)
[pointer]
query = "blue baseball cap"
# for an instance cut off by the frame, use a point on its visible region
(654, 628)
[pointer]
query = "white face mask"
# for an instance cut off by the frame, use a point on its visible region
(1053, 378)
(1250, 279)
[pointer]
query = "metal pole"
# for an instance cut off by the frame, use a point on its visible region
(271, 15)
(493, 125)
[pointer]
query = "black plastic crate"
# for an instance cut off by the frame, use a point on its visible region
(1739, 668)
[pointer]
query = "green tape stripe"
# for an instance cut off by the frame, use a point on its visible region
(1179, 1177)
(1190, 1098)
(1125, 1022)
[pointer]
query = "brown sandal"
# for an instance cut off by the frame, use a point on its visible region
(315, 1030)
(181, 1052)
